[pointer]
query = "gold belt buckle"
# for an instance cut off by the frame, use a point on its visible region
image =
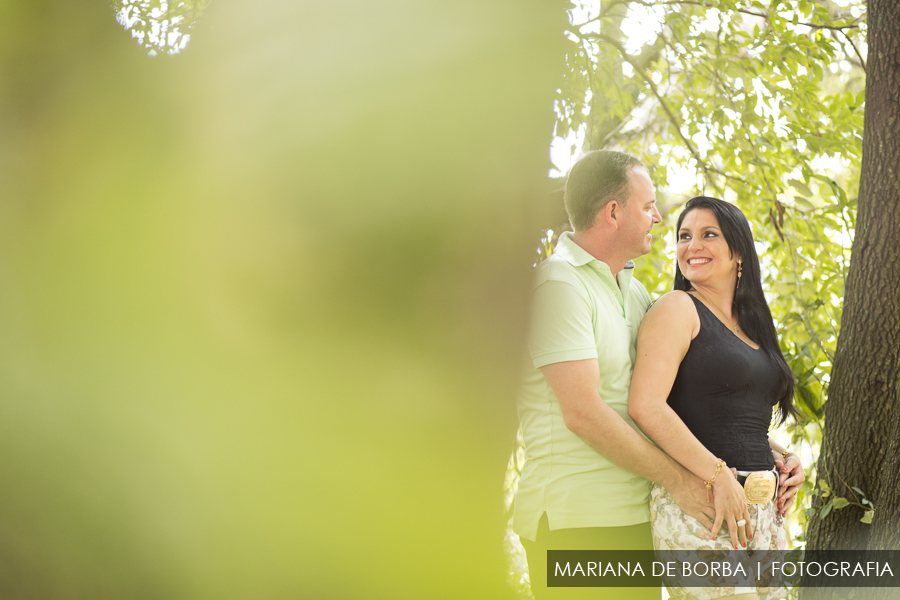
(759, 487)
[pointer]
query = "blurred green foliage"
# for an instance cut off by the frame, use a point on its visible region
(261, 301)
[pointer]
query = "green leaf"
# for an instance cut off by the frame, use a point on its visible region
(826, 489)
(867, 518)
(801, 187)
(825, 510)
(803, 204)
(857, 490)
(734, 70)
(810, 402)
(840, 503)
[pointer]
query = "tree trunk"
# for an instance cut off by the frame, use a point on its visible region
(861, 446)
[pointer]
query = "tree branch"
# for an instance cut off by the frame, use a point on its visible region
(804, 317)
(862, 61)
(728, 95)
(696, 3)
(603, 12)
(745, 11)
(840, 28)
(672, 119)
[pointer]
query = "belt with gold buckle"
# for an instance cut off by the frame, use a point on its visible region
(759, 486)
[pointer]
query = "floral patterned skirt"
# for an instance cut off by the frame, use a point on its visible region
(674, 530)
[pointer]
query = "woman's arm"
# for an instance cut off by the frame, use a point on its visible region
(665, 336)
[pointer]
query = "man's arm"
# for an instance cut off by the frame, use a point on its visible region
(576, 385)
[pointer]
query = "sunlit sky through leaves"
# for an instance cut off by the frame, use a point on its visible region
(159, 26)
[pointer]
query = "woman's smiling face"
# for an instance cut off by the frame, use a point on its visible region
(703, 254)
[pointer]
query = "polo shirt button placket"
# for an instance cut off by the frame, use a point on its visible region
(612, 286)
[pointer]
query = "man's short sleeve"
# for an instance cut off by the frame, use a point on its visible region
(561, 324)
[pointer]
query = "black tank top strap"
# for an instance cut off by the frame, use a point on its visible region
(708, 318)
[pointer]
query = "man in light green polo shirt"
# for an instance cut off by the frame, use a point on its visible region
(585, 484)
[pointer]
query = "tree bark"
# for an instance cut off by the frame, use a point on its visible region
(861, 445)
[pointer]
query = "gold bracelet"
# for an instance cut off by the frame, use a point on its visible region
(709, 484)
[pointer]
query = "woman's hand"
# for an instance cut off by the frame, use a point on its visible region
(790, 478)
(731, 507)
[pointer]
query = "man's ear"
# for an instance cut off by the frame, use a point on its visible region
(612, 212)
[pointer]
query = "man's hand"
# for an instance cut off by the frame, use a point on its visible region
(690, 496)
(790, 478)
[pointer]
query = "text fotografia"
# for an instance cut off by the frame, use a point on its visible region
(631, 568)
(832, 569)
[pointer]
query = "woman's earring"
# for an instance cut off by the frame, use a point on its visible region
(739, 277)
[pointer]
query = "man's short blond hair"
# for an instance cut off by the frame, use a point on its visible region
(598, 178)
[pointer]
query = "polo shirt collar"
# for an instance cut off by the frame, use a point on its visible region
(568, 250)
(575, 255)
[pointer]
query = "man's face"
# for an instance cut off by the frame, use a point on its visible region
(639, 214)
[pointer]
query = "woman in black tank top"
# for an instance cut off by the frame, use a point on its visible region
(708, 374)
(724, 392)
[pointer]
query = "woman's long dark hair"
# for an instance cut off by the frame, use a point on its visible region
(750, 307)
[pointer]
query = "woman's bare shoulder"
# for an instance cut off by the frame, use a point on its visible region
(674, 308)
(676, 302)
